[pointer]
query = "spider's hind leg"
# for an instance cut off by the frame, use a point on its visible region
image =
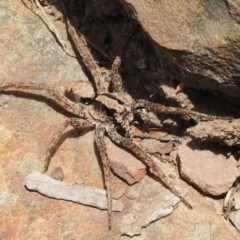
(146, 159)
(75, 123)
(101, 146)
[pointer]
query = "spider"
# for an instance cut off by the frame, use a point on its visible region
(111, 112)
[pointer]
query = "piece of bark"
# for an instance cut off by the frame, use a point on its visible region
(52, 188)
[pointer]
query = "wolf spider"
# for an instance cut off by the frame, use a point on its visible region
(112, 111)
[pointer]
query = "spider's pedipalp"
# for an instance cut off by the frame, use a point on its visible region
(126, 124)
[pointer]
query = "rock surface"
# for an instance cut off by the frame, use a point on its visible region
(124, 164)
(200, 43)
(154, 146)
(223, 132)
(28, 126)
(78, 90)
(159, 205)
(207, 168)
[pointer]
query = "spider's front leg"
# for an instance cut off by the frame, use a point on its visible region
(116, 80)
(75, 123)
(140, 154)
(47, 91)
(101, 146)
(158, 108)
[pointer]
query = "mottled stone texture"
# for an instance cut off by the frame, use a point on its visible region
(207, 168)
(198, 40)
(28, 123)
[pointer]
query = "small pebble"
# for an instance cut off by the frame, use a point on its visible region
(57, 174)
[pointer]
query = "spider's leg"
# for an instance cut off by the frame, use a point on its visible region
(166, 138)
(101, 146)
(150, 120)
(140, 154)
(84, 52)
(75, 123)
(116, 79)
(159, 108)
(53, 94)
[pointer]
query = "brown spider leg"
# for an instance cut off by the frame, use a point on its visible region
(31, 87)
(101, 146)
(159, 108)
(150, 119)
(139, 153)
(116, 80)
(83, 50)
(166, 138)
(75, 123)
